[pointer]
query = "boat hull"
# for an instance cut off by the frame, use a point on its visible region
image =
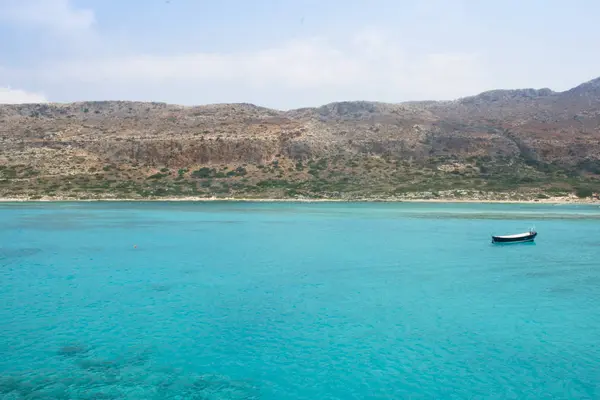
(514, 239)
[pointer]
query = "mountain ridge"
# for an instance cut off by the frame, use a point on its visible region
(498, 141)
(541, 92)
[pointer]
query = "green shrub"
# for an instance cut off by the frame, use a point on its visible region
(583, 192)
(157, 176)
(203, 172)
(181, 172)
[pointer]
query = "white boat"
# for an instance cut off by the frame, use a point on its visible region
(516, 238)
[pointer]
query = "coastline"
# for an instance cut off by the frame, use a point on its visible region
(551, 200)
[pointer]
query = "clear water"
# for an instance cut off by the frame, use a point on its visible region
(298, 301)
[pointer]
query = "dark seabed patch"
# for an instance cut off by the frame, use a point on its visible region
(72, 350)
(161, 287)
(128, 376)
(190, 271)
(549, 273)
(503, 216)
(12, 253)
(97, 364)
(561, 289)
(110, 381)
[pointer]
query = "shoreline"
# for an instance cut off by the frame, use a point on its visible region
(552, 200)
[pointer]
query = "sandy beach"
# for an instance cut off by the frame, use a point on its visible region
(550, 200)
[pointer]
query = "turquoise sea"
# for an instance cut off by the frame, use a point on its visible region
(223, 300)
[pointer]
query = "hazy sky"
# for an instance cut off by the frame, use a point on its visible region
(291, 53)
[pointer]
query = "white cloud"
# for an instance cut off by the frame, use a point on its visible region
(297, 64)
(17, 96)
(57, 15)
(371, 65)
(444, 54)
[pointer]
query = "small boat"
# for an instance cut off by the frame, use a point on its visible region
(517, 238)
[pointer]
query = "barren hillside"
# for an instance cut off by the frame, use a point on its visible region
(504, 142)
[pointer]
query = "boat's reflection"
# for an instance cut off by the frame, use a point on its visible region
(529, 243)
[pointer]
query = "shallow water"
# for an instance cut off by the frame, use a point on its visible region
(298, 301)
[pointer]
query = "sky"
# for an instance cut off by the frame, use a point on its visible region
(291, 53)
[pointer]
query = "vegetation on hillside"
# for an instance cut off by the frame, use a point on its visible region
(336, 178)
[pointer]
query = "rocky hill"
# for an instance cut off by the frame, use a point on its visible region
(513, 143)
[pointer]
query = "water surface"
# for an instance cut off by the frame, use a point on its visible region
(298, 301)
